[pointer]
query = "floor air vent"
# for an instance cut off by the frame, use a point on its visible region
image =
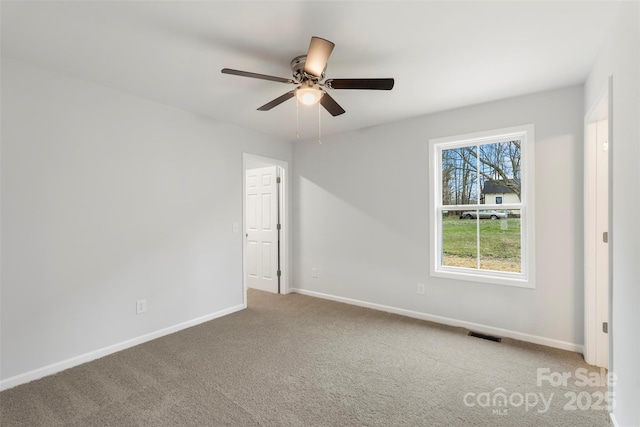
(485, 337)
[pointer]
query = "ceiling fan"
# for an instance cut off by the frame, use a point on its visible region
(308, 71)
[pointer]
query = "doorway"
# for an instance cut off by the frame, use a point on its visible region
(265, 224)
(597, 238)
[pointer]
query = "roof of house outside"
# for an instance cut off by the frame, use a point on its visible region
(494, 187)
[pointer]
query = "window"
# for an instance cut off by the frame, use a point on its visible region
(482, 207)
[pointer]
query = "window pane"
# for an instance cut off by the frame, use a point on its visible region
(459, 176)
(500, 172)
(500, 241)
(480, 188)
(459, 239)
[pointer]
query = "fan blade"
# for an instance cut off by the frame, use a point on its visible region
(331, 105)
(317, 56)
(279, 100)
(256, 75)
(373, 84)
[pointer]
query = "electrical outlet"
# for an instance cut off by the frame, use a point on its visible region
(141, 306)
(314, 272)
(421, 289)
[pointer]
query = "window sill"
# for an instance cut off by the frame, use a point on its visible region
(491, 277)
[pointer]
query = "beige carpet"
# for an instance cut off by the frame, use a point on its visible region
(293, 360)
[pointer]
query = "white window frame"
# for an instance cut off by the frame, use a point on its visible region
(524, 279)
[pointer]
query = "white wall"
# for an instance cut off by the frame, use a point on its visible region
(620, 58)
(106, 199)
(361, 218)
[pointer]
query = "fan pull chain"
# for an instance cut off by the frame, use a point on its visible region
(297, 120)
(319, 124)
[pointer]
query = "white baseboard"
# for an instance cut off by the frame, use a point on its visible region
(613, 421)
(96, 354)
(476, 327)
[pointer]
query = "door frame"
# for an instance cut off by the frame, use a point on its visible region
(283, 207)
(600, 110)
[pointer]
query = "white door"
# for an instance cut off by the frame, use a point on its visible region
(262, 232)
(602, 249)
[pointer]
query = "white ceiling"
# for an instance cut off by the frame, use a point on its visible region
(442, 54)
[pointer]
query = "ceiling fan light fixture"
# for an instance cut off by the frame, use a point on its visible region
(308, 74)
(309, 95)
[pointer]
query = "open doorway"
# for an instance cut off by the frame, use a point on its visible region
(265, 224)
(597, 238)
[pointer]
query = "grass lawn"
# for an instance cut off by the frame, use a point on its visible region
(499, 243)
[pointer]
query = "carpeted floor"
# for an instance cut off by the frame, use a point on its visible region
(294, 360)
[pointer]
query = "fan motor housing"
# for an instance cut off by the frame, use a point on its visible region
(297, 68)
